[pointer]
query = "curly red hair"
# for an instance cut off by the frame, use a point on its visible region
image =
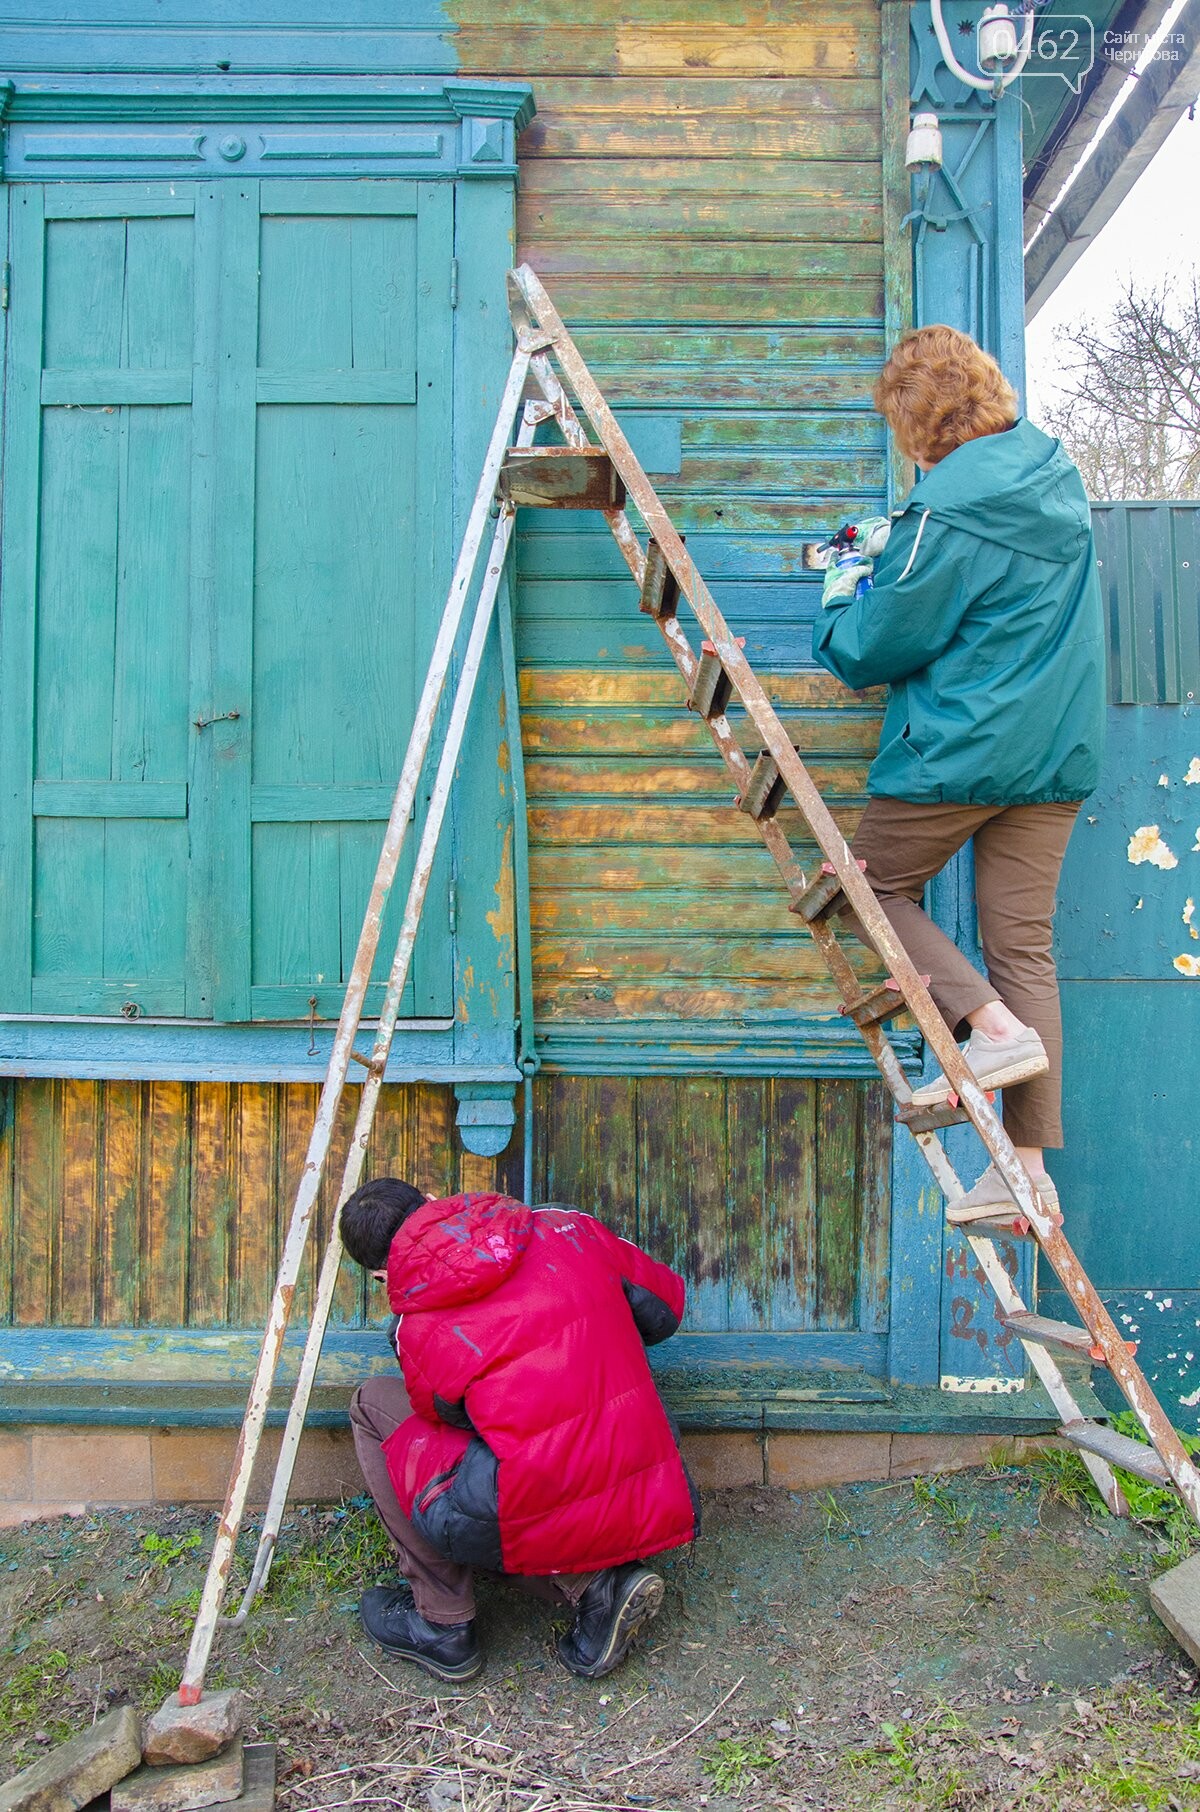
(940, 389)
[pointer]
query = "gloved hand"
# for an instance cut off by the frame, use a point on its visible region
(842, 582)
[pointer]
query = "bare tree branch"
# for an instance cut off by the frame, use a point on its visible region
(1129, 405)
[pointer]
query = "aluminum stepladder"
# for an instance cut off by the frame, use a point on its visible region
(602, 474)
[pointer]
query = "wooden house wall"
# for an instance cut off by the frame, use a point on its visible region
(164, 1204)
(704, 200)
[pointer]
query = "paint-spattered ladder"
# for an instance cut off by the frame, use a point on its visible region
(603, 475)
(600, 474)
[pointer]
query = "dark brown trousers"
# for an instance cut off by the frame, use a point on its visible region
(1019, 851)
(443, 1591)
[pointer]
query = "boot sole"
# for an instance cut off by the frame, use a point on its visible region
(465, 1670)
(641, 1605)
(1007, 1077)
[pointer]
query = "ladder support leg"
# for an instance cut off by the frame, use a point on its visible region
(220, 1563)
(373, 1082)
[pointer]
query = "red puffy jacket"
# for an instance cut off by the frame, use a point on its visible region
(539, 1442)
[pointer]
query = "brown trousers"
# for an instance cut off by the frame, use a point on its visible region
(443, 1591)
(1019, 851)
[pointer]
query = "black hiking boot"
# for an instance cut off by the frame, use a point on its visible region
(616, 1606)
(448, 1651)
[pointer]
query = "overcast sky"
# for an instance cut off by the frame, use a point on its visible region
(1154, 232)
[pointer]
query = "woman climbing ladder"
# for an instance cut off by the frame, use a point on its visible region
(983, 615)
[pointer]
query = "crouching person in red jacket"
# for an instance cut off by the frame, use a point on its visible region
(527, 1438)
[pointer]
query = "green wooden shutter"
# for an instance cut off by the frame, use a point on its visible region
(351, 555)
(94, 661)
(226, 541)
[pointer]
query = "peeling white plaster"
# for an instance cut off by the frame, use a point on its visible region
(1146, 845)
(1138, 907)
(1192, 1401)
(1164, 780)
(1192, 777)
(1188, 965)
(1189, 908)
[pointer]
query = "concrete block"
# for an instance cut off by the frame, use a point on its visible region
(916, 1455)
(191, 1465)
(16, 1467)
(191, 1733)
(183, 1789)
(80, 1769)
(812, 1462)
(732, 1457)
(13, 1515)
(112, 1467)
(1175, 1597)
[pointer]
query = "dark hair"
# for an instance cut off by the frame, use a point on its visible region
(372, 1216)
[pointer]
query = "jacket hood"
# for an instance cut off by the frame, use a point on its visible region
(1017, 488)
(456, 1250)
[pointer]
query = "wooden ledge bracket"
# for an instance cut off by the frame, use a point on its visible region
(765, 789)
(712, 687)
(561, 478)
(823, 896)
(660, 589)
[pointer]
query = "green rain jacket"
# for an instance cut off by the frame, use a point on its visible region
(985, 619)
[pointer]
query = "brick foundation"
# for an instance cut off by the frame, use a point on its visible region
(52, 1471)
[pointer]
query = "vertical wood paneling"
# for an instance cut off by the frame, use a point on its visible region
(795, 1210)
(121, 1257)
(164, 1204)
(166, 1191)
(77, 1248)
(36, 1201)
(213, 1202)
(7, 1090)
(587, 1126)
(254, 1249)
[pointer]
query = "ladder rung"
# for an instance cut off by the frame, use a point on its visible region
(931, 1119)
(878, 1004)
(764, 789)
(996, 1226)
(712, 687)
(823, 896)
(1118, 1450)
(660, 590)
(561, 478)
(1063, 1336)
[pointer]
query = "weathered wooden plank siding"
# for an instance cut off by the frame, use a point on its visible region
(164, 1204)
(704, 201)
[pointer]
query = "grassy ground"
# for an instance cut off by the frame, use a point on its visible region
(979, 1642)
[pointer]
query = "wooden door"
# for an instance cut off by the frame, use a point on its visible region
(227, 532)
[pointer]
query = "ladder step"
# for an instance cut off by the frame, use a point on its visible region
(823, 896)
(1063, 1336)
(712, 687)
(931, 1119)
(998, 1226)
(561, 478)
(660, 591)
(878, 1004)
(765, 789)
(1118, 1450)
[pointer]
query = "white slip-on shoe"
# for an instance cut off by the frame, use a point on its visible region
(994, 1063)
(990, 1197)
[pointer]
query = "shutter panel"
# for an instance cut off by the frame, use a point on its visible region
(97, 596)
